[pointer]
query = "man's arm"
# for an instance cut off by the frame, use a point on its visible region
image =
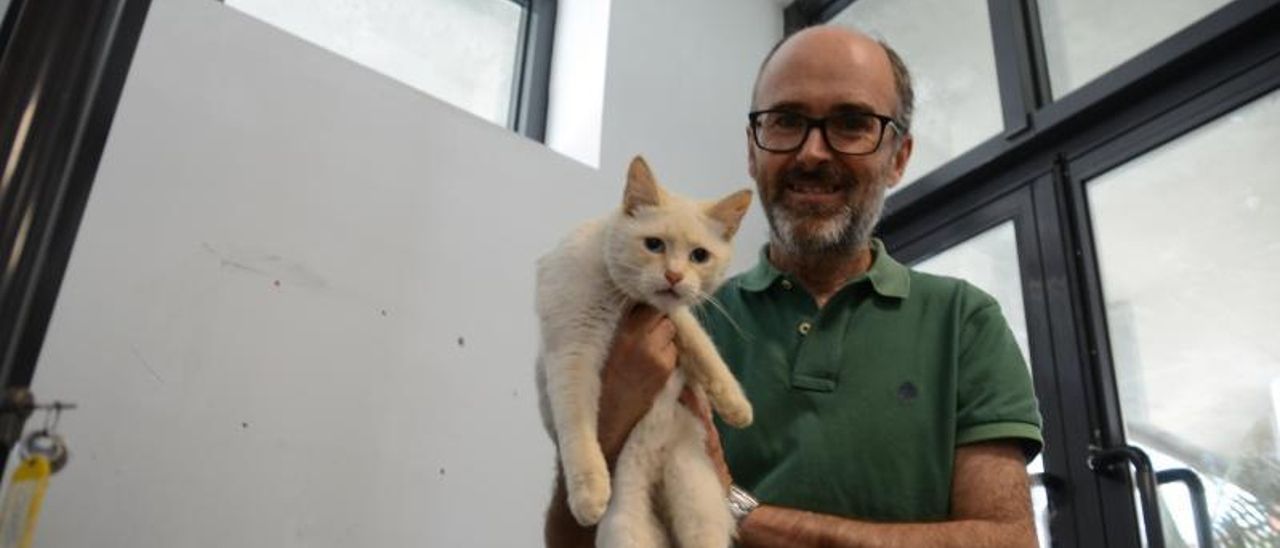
(641, 359)
(990, 506)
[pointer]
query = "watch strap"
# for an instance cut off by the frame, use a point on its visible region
(740, 503)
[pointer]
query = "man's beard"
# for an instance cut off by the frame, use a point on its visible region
(825, 231)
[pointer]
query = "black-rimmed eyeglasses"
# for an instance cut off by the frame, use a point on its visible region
(854, 133)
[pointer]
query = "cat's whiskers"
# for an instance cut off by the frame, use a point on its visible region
(704, 297)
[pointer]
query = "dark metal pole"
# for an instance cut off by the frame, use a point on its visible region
(62, 68)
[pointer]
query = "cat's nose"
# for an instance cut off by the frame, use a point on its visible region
(673, 278)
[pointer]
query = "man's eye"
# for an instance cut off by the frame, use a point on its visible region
(852, 123)
(785, 120)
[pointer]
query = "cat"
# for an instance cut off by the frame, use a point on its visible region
(670, 252)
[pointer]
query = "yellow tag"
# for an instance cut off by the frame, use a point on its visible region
(22, 502)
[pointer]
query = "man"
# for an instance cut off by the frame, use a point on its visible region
(892, 408)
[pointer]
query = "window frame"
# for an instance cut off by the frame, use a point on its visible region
(530, 94)
(1033, 119)
(74, 59)
(1054, 147)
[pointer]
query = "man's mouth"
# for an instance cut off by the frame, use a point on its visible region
(822, 196)
(814, 189)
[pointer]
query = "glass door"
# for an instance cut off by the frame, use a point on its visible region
(989, 260)
(1186, 238)
(996, 248)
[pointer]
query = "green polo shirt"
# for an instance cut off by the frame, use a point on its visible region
(859, 406)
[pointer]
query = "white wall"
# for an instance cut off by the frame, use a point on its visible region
(299, 311)
(679, 88)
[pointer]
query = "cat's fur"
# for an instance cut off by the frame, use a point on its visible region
(663, 480)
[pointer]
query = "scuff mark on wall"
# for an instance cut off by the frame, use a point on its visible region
(141, 360)
(268, 265)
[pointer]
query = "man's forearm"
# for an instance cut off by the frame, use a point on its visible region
(775, 526)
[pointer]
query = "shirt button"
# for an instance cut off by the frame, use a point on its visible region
(786, 284)
(804, 328)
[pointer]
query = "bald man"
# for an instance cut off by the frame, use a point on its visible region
(892, 407)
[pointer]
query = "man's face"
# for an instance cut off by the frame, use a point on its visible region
(818, 200)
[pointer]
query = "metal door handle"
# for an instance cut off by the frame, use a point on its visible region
(1105, 460)
(1199, 506)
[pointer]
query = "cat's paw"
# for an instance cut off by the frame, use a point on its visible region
(588, 496)
(731, 405)
(736, 413)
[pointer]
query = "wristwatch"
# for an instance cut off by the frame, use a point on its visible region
(741, 503)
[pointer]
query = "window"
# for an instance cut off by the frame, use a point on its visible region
(957, 96)
(1085, 38)
(1134, 147)
(1190, 295)
(483, 56)
(1006, 63)
(989, 261)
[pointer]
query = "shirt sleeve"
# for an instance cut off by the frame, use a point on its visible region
(995, 397)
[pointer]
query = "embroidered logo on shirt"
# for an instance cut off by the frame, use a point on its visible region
(907, 391)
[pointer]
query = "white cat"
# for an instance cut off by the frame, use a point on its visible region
(670, 252)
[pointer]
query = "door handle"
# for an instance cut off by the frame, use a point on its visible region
(1199, 505)
(1105, 461)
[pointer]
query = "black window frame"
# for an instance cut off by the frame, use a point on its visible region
(1051, 148)
(73, 57)
(530, 94)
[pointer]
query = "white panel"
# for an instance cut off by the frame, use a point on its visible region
(261, 319)
(299, 312)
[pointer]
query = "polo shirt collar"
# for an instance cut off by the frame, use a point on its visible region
(888, 277)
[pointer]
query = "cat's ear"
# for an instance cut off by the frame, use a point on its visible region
(642, 189)
(730, 210)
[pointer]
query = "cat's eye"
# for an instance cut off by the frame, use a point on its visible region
(699, 255)
(653, 244)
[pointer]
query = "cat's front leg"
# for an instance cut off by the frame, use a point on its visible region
(573, 388)
(705, 367)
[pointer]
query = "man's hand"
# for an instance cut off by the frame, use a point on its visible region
(640, 361)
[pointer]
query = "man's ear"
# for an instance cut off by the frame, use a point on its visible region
(751, 154)
(900, 157)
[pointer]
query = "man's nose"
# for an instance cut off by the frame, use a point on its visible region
(815, 149)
